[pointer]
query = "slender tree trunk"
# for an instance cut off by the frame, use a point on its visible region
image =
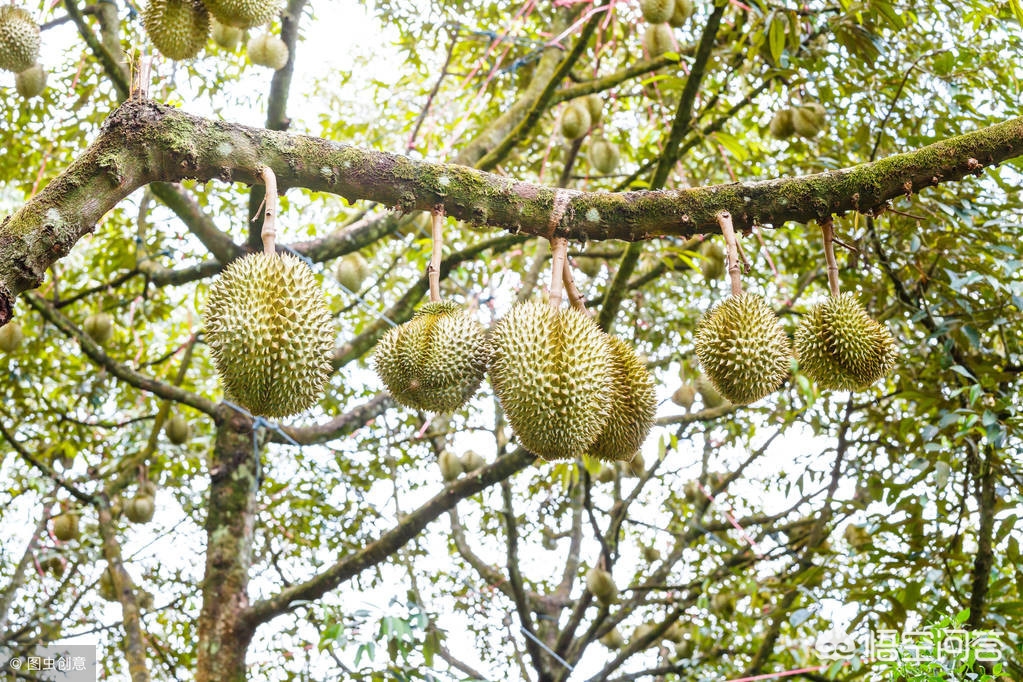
(223, 641)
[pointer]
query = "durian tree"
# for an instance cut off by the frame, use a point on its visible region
(812, 208)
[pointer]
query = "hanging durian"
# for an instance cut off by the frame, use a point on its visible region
(19, 39)
(351, 271)
(601, 585)
(575, 121)
(227, 37)
(65, 526)
(140, 508)
(450, 465)
(595, 106)
(178, 28)
(268, 50)
(781, 125)
(683, 10)
(11, 337)
(656, 11)
(244, 13)
(99, 327)
(685, 396)
(603, 155)
(632, 405)
(657, 40)
(31, 82)
(471, 461)
(178, 430)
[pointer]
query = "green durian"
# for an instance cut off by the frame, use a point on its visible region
(65, 526)
(178, 28)
(712, 265)
(178, 430)
(806, 122)
(19, 39)
(227, 37)
(817, 112)
(743, 349)
(140, 509)
(575, 121)
(11, 337)
(268, 50)
(781, 125)
(436, 360)
(595, 106)
(244, 13)
(840, 347)
(656, 11)
(99, 327)
(632, 407)
(601, 585)
(685, 396)
(683, 10)
(31, 82)
(351, 271)
(657, 40)
(551, 371)
(471, 461)
(107, 591)
(603, 155)
(270, 334)
(450, 465)
(708, 394)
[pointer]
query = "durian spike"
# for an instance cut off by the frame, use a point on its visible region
(269, 232)
(559, 254)
(828, 230)
(732, 251)
(437, 236)
(575, 297)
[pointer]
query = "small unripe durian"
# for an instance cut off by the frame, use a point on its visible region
(712, 266)
(178, 430)
(268, 50)
(657, 40)
(227, 37)
(244, 13)
(816, 111)
(450, 465)
(65, 526)
(603, 155)
(178, 28)
(632, 405)
(595, 105)
(685, 396)
(140, 509)
(19, 39)
(708, 394)
(107, 592)
(806, 122)
(613, 639)
(656, 11)
(270, 334)
(840, 347)
(471, 461)
(575, 121)
(31, 82)
(743, 349)
(11, 337)
(99, 327)
(351, 271)
(781, 125)
(436, 360)
(599, 582)
(551, 371)
(683, 10)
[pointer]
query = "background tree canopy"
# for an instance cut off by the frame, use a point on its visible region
(330, 546)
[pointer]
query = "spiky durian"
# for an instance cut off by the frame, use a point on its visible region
(575, 121)
(178, 28)
(19, 39)
(743, 349)
(656, 11)
(781, 125)
(178, 430)
(31, 82)
(244, 13)
(65, 526)
(140, 508)
(551, 371)
(657, 40)
(351, 271)
(436, 360)
(600, 583)
(11, 337)
(603, 155)
(268, 50)
(99, 327)
(683, 10)
(270, 334)
(840, 347)
(632, 406)
(227, 37)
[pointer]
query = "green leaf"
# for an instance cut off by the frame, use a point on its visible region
(776, 36)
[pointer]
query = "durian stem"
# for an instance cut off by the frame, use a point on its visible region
(575, 297)
(437, 235)
(828, 230)
(269, 233)
(559, 254)
(732, 251)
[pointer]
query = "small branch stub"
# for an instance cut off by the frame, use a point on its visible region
(269, 232)
(732, 251)
(559, 255)
(828, 230)
(437, 237)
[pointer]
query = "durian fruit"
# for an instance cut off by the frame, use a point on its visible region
(685, 396)
(244, 13)
(99, 327)
(656, 11)
(268, 50)
(140, 508)
(227, 37)
(650, 553)
(65, 526)
(613, 639)
(632, 406)
(107, 592)
(19, 39)
(683, 10)
(657, 40)
(178, 430)
(11, 337)
(31, 82)
(450, 465)
(270, 334)
(743, 349)
(708, 394)
(595, 105)
(575, 121)
(601, 585)
(603, 155)
(178, 28)
(808, 120)
(436, 360)
(53, 564)
(551, 371)
(471, 461)
(840, 347)
(351, 271)
(712, 265)
(781, 125)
